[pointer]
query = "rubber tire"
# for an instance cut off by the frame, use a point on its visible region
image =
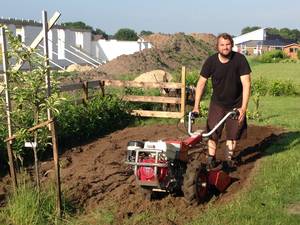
(194, 176)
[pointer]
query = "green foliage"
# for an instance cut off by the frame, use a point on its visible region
(279, 88)
(27, 207)
(99, 116)
(28, 95)
(192, 78)
(298, 54)
(77, 25)
(145, 33)
(82, 25)
(126, 34)
(273, 56)
(249, 29)
(262, 87)
(285, 33)
(259, 86)
(100, 32)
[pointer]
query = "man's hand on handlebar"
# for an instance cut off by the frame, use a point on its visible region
(242, 113)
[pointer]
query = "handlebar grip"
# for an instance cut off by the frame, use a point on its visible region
(194, 115)
(235, 114)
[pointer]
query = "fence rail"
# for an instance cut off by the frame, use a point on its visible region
(101, 84)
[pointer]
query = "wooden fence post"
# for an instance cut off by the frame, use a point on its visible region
(8, 109)
(85, 88)
(183, 93)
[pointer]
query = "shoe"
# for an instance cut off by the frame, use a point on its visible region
(211, 162)
(229, 166)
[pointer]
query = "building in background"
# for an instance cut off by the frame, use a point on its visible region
(257, 42)
(73, 46)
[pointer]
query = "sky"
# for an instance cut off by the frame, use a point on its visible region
(165, 16)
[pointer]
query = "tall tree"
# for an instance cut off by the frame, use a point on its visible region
(77, 25)
(126, 34)
(249, 29)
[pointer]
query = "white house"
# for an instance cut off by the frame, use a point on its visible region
(73, 46)
(258, 35)
(110, 49)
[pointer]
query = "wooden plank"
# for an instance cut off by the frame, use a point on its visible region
(156, 99)
(70, 87)
(94, 83)
(120, 83)
(39, 38)
(40, 125)
(162, 114)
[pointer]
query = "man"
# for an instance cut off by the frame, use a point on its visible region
(230, 74)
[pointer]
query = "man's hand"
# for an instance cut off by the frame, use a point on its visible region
(196, 110)
(242, 112)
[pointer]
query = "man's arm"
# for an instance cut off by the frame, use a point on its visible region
(199, 92)
(246, 83)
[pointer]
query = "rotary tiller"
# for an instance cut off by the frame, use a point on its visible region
(164, 166)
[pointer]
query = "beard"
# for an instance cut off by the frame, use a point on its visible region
(228, 56)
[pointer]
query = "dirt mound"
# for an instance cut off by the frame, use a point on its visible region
(158, 40)
(154, 76)
(79, 68)
(94, 175)
(208, 38)
(173, 52)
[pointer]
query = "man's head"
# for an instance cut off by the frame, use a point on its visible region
(224, 44)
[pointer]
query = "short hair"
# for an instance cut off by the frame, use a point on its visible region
(226, 36)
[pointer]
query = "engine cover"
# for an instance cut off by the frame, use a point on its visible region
(146, 173)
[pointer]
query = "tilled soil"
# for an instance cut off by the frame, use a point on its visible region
(95, 175)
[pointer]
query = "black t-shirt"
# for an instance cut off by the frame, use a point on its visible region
(226, 82)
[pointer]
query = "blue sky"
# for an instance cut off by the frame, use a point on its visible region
(166, 16)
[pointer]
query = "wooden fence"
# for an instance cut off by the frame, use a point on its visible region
(101, 84)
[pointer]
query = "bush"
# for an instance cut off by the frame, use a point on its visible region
(99, 116)
(264, 87)
(272, 56)
(280, 88)
(259, 86)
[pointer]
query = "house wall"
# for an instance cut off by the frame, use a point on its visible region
(292, 51)
(107, 50)
(259, 34)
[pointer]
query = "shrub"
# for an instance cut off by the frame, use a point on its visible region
(98, 117)
(264, 87)
(280, 88)
(259, 86)
(272, 56)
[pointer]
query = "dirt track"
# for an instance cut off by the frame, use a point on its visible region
(95, 176)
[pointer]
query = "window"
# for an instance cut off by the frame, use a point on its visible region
(79, 39)
(20, 33)
(291, 50)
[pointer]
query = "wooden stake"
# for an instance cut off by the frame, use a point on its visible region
(8, 110)
(183, 94)
(52, 125)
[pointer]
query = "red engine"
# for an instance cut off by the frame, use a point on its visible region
(146, 173)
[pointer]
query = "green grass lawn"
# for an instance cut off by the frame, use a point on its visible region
(277, 71)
